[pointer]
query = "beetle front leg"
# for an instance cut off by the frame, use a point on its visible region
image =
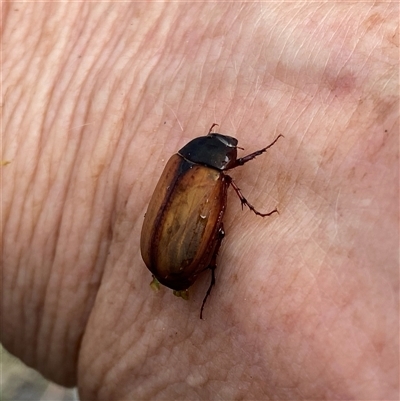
(244, 201)
(251, 156)
(212, 266)
(211, 128)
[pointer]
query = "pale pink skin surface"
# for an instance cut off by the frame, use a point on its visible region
(96, 97)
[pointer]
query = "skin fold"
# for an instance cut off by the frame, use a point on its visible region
(97, 96)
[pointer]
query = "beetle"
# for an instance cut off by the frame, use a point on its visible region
(183, 228)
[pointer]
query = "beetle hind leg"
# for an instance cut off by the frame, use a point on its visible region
(212, 266)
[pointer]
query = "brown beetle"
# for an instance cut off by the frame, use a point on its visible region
(182, 229)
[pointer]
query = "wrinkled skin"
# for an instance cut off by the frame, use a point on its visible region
(96, 97)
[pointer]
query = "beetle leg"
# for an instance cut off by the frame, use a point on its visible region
(214, 125)
(212, 266)
(244, 201)
(243, 160)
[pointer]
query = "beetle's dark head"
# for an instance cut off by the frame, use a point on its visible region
(214, 150)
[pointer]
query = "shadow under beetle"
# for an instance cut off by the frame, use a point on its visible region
(183, 229)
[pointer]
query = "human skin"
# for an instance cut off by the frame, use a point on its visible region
(96, 97)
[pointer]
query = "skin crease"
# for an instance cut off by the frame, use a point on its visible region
(96, 97)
